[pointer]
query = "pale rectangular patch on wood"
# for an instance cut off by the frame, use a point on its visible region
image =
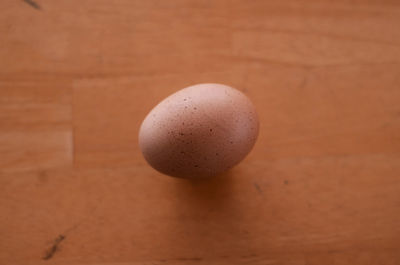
(35, 123)
(21, 151)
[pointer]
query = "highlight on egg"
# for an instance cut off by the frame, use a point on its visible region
(199, 131)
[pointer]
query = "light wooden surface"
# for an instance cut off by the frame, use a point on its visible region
(322, 185)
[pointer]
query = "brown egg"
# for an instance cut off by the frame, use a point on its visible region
(199, 131)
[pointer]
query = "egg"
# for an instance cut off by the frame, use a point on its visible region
(199, 131)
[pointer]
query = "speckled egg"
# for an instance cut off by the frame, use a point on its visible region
(199, 131)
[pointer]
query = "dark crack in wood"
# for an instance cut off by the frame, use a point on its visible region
(54, 248)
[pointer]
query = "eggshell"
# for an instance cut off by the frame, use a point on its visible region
(199, 131)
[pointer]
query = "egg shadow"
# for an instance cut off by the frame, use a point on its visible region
(208, 216)
(207, 192)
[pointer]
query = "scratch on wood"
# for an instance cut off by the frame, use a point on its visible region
(53, 249)
(258, 188)
(286, 182)
(33, 4)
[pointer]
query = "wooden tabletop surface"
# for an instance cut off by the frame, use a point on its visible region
(321, 186)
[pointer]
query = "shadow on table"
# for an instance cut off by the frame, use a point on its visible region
(208, 193)
(209, 218)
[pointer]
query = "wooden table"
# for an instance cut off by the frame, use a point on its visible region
(321, 186)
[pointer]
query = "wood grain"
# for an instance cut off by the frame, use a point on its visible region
(321, 185)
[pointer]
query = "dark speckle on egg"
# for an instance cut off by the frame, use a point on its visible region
(217, 132)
